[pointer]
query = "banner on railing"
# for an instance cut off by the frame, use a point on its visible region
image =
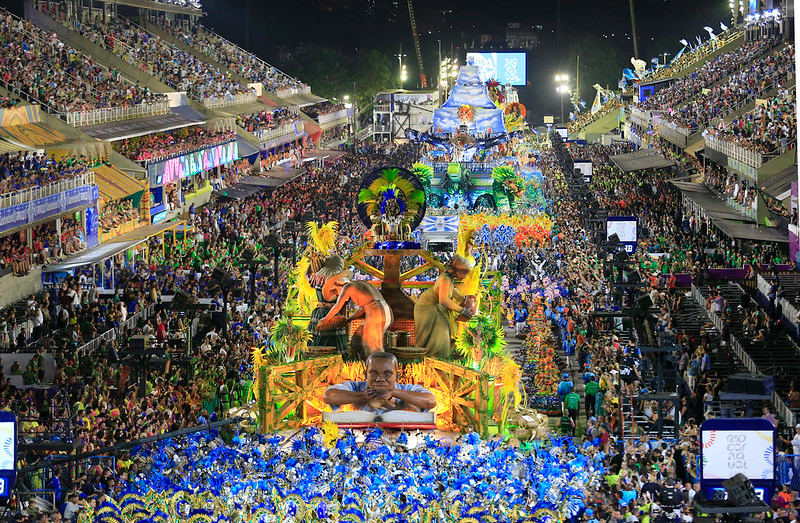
(72, 199)
(162, 173)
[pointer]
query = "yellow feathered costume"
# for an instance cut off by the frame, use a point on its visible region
(471, 284)
(321, 242)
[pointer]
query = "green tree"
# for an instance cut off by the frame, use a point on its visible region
(600, 63)
(371, 71)
(332, 75)
(323, 68)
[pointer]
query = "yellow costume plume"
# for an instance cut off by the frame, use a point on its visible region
(470, 285)
(323, 239)
(330, 433)
(306, 296)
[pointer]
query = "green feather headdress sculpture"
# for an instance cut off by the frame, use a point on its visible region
(392, 186)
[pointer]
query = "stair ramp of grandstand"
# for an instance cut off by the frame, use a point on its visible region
(771, 356)
(209, 58)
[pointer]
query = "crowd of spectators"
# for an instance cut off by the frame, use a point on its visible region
(688, 87)
(265, 120)
(118, 212)
(741, 87)
(322, 108)
(288, 153)
(161, 146)
(62, 78)
(105, 413)
(681, 243)
(333, 134)
(45, 246)
(75, 313)
(729, 185)
(236, 59)
(689, 58)
(587, 117)
(771, 126)
(25, 170)
(8, 102)
(151, 54)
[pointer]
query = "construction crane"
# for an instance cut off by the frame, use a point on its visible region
(423, 80)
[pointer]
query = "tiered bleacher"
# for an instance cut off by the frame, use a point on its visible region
(587, 117)
(167, 62)
(236, 59)
(720, 100)
(44, 70)
(756, 332)
(672, 97)
(688, 59)
(742, 191)
(770, 127)
(158, 147)
(321, 109)
(264, 123)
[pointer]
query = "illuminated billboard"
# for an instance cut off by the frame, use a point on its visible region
(506, 68)
(626, 228)
(168, 171)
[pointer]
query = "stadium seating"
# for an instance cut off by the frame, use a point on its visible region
(43, 69)
(741, 88)
(173, 66)
(689, 87)
(236, 59)
(771, 354)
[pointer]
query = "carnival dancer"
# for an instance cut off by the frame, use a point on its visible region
(378, 317)
(433, 307)
(326, 299)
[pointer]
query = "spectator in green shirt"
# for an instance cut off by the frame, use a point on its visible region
(29, 376)
(590, 391)
(573, 402)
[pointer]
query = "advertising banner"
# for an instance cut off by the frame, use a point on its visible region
(13, 217)
(44, 207)
(91, 227)
(168, 171)
(73, 199)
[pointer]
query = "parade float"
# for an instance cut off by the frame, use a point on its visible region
(477, 389)
(471, 162)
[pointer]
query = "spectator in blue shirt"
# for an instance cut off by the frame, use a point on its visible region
(520, 318)
(565, 386)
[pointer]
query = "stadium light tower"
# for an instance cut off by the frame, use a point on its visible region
(400, 65)
(403, 76)
(562, 88)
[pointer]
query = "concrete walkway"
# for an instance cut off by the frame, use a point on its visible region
(574, 370)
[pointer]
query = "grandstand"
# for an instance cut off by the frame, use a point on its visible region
(116, 90)
(735, 113)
